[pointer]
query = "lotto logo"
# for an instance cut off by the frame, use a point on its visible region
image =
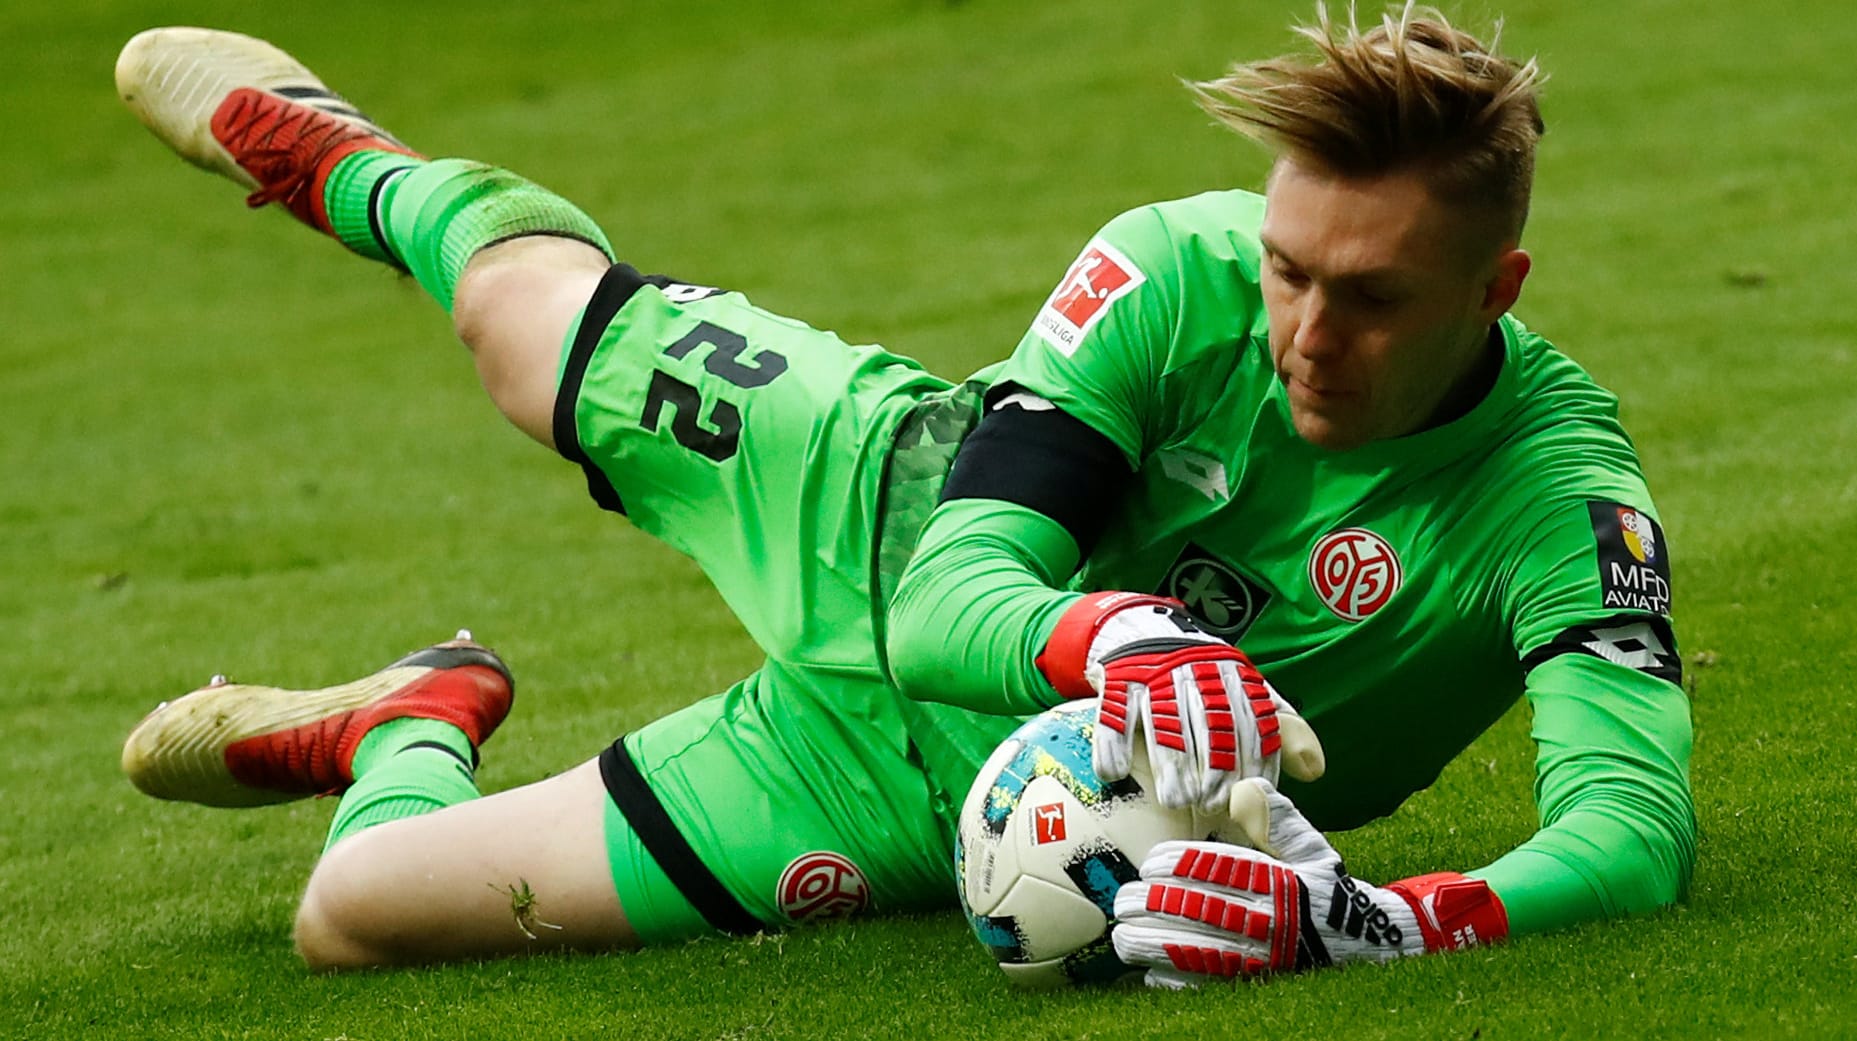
(1048, 823)
(1095, 281)
(1354, 572)
(822, 885)
(684, 293)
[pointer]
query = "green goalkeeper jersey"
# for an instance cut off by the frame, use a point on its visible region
(1402, 594)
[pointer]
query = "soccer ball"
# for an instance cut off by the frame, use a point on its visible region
(1043, 844)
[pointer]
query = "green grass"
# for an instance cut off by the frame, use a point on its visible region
(230, 447)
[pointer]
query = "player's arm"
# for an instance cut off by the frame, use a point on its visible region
(1063, 430)
(979, 620)
(1617, 826)
(1589, 610)
(1618, 836)
(983, 591)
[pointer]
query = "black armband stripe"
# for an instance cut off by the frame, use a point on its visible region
(615, 288)
(1644, 642)
(1043, 459)
(632, 794)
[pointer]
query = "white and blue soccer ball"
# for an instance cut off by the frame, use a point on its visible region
(1043, 845)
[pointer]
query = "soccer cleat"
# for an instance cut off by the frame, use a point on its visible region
(232, 744)
(245, 110)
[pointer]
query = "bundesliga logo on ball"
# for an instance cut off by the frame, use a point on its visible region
(1043, 846)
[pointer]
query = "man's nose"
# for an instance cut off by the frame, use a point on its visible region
(1318, 334)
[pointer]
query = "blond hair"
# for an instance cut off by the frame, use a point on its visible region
(1411, 93)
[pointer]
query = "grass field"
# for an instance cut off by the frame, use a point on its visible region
(231, 447)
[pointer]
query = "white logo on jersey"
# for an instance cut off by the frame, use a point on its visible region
(1634, 646)
(1028, 402)
(1202, 473)
(1098, 278)
(683, 292)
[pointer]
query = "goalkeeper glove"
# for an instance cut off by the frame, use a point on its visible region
(1209, 909)
(1208, 716)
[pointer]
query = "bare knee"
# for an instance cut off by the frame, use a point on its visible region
(339, 920)
(513, 307)
(501, 287)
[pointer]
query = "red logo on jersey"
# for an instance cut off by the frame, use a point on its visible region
(1048, 823)
(822, 885)
(1355, 572)
(1089, 284)
(1098, 277)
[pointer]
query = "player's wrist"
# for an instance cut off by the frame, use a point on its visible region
(1453, 911)
(1407, 936)
(1350, 919)
(1067, 654)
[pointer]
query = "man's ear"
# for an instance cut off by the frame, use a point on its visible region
(1505, 286)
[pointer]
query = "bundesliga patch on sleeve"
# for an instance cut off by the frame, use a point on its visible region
(1634, 569)
(1099, 277)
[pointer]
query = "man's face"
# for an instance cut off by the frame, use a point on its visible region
(1379, 306)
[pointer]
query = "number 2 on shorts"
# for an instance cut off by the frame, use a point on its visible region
(725, 361)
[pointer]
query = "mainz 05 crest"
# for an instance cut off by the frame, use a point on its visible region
(822, 884)
(1354, 572)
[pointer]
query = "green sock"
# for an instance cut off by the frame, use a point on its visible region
(430, 218)
(402, 768)
(348, 196)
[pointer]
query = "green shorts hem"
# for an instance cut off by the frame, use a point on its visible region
(650, 901)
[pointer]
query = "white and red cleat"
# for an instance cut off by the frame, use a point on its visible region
(232, 744)
(245, 110)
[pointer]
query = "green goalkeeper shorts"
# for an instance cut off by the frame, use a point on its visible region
(757, 446)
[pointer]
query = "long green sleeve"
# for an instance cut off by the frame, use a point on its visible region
(976, 604)
(1618, 828)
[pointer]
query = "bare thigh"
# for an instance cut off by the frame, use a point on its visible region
(515, 305)
(522, 870)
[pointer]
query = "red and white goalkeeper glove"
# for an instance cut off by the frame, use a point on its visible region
(1208, 716)
(1210, 909)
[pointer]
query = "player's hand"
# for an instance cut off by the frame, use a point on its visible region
(1208, 717)
(1202, 910)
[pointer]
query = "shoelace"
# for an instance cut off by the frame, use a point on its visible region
(284, 172)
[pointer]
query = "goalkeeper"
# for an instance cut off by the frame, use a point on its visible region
(1302, 424)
